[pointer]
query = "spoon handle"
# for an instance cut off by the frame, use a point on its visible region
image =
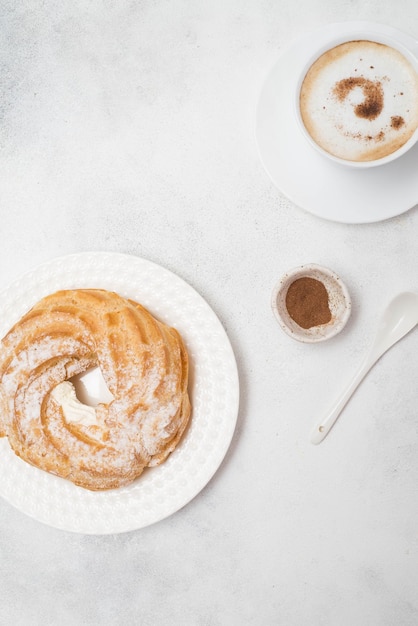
(323, 427)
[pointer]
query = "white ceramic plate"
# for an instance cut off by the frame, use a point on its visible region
(310, 180)
(162, 490)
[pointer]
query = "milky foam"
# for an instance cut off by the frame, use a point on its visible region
(359, 100)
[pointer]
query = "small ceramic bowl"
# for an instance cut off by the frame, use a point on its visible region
(339, 303)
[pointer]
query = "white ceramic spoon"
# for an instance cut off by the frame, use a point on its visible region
(397, 320)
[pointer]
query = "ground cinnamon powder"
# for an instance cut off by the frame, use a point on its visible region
(307, 302)
(372, 91)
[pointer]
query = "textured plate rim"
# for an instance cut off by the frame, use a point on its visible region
(52, 275)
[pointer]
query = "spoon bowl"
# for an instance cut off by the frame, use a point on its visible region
(397, 320)
(400, 316)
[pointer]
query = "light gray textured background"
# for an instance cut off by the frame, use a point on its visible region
(128, 126)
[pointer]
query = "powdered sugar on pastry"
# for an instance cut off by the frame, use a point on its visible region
(143, 362)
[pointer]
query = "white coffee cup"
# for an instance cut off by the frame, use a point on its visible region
(362, 79)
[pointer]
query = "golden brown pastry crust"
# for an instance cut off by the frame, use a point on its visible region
(145, 366)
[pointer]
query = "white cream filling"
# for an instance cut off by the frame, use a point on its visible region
(75, 412)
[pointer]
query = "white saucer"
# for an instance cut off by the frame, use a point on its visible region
(326, 189)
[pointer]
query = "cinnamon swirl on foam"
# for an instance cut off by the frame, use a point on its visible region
(359, 101)
(145, 366)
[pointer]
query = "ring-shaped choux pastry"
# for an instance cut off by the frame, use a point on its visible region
(143, 362)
